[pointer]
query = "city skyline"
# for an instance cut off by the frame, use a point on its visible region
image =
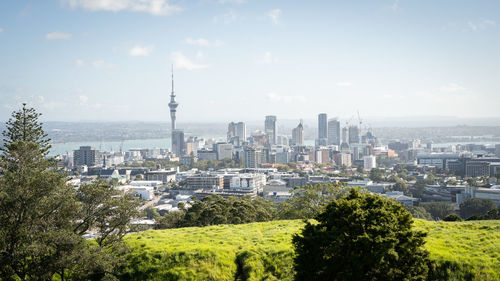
(78, 60)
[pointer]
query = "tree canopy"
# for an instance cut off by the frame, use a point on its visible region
(476, 206)
(42, 219)
(361, 237)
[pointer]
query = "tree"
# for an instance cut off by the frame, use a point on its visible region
(42, 219)
(452, 217)
(476, 206)
(418, 212)
(151, 213)
(439, 210)
(309, 200)
(361, 237)
(377, 175)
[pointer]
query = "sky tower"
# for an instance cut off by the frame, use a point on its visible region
(172, 104)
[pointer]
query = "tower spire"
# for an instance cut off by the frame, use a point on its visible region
(173, 80)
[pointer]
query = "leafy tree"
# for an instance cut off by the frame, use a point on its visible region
(215, 209)
(492, 215)
(452, 217)
(377, 175)
(170, 220)
(418, 212)
(476, 206)
(418, 188)
(151, 213)
(399, 184)
(309, 200)
(42, 219)
(439, 210)
(361, 237)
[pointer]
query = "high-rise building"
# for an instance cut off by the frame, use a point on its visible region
(271, 129)
(241, 131)
(333, 132)
(298, 134)
(178, 142)
(253, 157)
(86, 155)
(497, 150)
(345, 135)
(354, 135)
(322, 126)
(236, 133)
(369, 162)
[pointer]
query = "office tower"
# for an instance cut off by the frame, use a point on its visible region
(253, 157)
(322, 126)
(86, 155)
(178, 142)
(271, 129)
(497, 150)
(345, 135)
(354, 135)
(298, 134)
(223, 150)
(231, 131)
(333, 132)
(241, 131)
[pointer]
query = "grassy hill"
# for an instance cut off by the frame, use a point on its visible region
(263, 251)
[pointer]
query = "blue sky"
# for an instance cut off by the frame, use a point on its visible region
(243, 59)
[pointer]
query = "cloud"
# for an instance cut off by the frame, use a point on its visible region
(83, 98)
(273, 97)
(101, 64)
(266, 58)
(344, 84)
(482, 24)
(226, 18)
(451, 88)
(274, 15)
(395, 5)
(79, 63)
(182, 62)
(154, 7)
(1, 30)
(57, 36)
(143, 51)
(203, 42)
(232, 1)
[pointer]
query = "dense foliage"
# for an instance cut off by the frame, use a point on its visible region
(361, 237)
(476, 207)
(310, 200)
(418, 212)
(439, 210)
(215, 209)
(42, 219)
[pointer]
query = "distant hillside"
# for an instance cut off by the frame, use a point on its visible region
(263, 251)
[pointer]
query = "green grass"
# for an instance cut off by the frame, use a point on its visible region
(263, 251)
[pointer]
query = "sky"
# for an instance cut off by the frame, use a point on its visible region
(239, 60)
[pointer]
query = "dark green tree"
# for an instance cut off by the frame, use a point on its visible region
(476, 206)
(377, 175)
(439, 210)
(452, 217)
(361, 237)
(42, 219)
(418, 212)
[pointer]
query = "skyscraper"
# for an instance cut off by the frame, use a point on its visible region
(333, 132)
(298, 134)
(177, 135)
(236, 133)
(86, 155)
(322, 126)
(354, 135)
(271, 129)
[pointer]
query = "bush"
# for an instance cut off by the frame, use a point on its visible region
(439, 210)
(452, 217)
(361, 237)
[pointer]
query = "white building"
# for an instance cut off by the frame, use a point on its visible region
(246, 182)
(370, 162)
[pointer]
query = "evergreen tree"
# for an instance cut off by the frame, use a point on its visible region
(361, 237)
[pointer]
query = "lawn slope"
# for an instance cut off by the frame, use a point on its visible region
(263, 251)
